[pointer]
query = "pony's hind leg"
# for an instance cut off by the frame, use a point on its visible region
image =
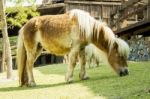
(82, 61)
(32, 54)
(31, 58)
(29, 64)
(38, 51)
(72, 62)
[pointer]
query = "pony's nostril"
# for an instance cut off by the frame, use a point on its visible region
(124, 72)
(121, 74)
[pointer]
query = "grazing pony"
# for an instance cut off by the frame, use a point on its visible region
(67, 33)
(93, 56)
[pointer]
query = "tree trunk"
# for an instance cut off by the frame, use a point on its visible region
(7, 58)
(3, 56)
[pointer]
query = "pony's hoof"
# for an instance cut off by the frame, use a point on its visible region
(32, 84)
(69, 80)
(21, 85)
(25, 84)
(85, 78)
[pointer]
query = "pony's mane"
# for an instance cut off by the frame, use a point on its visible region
(87, 24)
(123, 47)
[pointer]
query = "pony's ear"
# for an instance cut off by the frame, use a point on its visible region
(37, 22)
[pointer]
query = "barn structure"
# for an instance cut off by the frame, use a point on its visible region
(129, 19)
(132, 22)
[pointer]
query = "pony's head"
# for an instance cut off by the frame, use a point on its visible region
(117, 56)
(99, 34)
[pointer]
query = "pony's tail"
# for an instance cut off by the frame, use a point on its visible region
(21, 60)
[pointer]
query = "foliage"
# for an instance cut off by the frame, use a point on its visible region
(21, 1)
(17, 16)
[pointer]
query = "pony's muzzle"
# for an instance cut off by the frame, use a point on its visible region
(124, 72)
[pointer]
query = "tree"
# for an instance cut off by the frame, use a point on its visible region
(15, 16)
(18, 15)
(6, 52)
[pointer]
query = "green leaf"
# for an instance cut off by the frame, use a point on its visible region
(19, 15)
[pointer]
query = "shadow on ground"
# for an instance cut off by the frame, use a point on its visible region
(87, 82)
(30, 88)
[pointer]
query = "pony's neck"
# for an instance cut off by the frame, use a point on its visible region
(102, 46)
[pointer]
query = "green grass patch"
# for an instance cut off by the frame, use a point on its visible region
(103, 83)
(106, 83)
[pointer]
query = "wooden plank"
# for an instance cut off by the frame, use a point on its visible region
(133, 26)
(141, 30)
(13, 47)
(112, 0)
(95, 10)
(13, 57)
(148, 10)
(133, 11)
(129, 4)
(50, 6)
(125, 6)
(114, 12)
(92, 3)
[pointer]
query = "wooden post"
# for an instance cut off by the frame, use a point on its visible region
(43, 60)
(117, 21)
(111, 20)
(148, 10)
(123, 23)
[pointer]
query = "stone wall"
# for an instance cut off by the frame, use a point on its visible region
(139, 48)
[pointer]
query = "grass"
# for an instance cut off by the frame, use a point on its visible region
(103, 84)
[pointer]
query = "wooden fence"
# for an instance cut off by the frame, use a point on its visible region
(45, 58)
(131, 12)
(99, 10)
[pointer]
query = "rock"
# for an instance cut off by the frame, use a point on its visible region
(139, 49)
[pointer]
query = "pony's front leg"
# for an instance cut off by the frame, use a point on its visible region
(82, 61)
(29, 66)
(71, 65)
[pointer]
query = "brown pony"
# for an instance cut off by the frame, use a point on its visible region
(67, 33)
(93, 56)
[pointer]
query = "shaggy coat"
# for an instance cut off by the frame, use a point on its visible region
(67, 33)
